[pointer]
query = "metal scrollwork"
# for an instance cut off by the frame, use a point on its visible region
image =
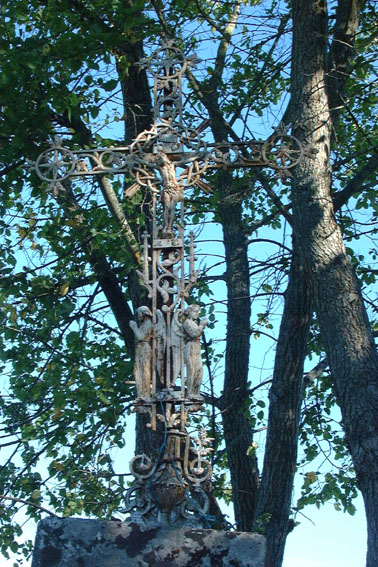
(171, 491)
(197, 505)
(198, 470)
(142, 467)
(188, 154)
(167, 65)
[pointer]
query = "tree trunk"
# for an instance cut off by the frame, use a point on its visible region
(238, 433)
(136, 92)
(338, 302)
(138, 115)
(286, 394)
(237, 427)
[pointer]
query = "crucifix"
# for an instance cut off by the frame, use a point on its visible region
(163, 162)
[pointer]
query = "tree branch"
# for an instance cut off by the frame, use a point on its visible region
(101, 267)
(312, 375)
(28, 503)
(220, 59)
(342, 52)
(356, 184)
(11, 167)
(158, 6)
(115, 208)
(260, 75)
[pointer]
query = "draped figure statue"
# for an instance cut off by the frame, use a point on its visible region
(143, 331)
(192, 350)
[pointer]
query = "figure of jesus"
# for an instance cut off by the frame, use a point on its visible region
(173, 192)
(192, 350)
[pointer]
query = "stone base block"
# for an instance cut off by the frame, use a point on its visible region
(76, 542)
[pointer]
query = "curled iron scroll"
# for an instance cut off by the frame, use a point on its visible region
(142, 467)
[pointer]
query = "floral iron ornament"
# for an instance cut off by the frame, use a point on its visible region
(164, 161)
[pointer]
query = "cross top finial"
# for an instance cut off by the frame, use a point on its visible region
(167, 66)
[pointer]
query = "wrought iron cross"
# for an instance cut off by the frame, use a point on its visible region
(164, 161)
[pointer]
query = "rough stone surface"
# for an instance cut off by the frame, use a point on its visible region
(76, 542)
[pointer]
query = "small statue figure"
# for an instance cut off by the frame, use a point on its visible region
(143, 331)
(176, 346)
(192, 350)
(173, 192)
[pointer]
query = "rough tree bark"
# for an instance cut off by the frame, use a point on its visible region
(338, 302)
(273, 504)
(238, 433)
(272, 514)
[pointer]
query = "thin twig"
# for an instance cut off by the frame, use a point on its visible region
(28, 503)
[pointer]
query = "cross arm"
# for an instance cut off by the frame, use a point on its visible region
(280, 152)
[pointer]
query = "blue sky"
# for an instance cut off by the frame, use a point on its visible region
(334, 539)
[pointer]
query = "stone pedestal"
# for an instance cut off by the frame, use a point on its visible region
(76, 542)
